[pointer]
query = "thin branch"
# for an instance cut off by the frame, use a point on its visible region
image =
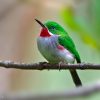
(73, 93)
(45, 65)
(80, 91)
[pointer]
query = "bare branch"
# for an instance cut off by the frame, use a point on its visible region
(45, 65)
(73, 93)
(79, 91)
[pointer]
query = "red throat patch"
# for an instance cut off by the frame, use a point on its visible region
(45, 33)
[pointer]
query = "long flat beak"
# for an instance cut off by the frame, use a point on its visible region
(42, 25)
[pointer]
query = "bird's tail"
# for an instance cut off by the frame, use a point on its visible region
(75, 78)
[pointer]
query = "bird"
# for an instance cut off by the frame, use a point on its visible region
(56, 46)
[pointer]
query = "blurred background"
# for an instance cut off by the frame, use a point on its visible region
(19, 31)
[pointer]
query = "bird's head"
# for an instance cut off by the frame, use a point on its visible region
(51, 27)
(44, 31)
(55, 28)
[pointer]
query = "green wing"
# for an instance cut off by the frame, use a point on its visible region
(68, 43)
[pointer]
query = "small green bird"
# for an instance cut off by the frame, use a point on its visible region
(56, 46)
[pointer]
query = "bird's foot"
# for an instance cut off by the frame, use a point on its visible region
(60, 63)
(42, 64)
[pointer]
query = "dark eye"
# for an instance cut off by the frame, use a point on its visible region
(53, 27)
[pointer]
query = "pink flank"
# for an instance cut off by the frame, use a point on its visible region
(45, 33)
(60, 47)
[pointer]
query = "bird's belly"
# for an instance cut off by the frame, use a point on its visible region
(49, 50)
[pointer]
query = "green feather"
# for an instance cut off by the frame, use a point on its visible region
(67, 42)
(64, 38)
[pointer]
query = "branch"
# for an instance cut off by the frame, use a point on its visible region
(45, 65)
(74, 93)
(80, 91)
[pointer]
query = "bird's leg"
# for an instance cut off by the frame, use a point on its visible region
(42, 63)
(60, 63)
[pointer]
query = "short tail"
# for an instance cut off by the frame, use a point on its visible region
(75, 78)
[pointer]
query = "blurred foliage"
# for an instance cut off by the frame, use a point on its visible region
(84, 20)
(87, 26)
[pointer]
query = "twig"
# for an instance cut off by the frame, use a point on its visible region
(45, 65)
(80, 91)
(73, 93)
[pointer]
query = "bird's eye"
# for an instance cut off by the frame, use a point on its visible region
(53, 27)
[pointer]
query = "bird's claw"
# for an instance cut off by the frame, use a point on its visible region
(60, 63)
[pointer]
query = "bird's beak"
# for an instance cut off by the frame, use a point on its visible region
(42, 25)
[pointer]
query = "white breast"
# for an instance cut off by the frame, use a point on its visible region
(48, 48)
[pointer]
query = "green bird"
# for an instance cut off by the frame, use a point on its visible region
(56, 46)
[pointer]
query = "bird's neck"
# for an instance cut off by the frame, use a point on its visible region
(45, 33)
